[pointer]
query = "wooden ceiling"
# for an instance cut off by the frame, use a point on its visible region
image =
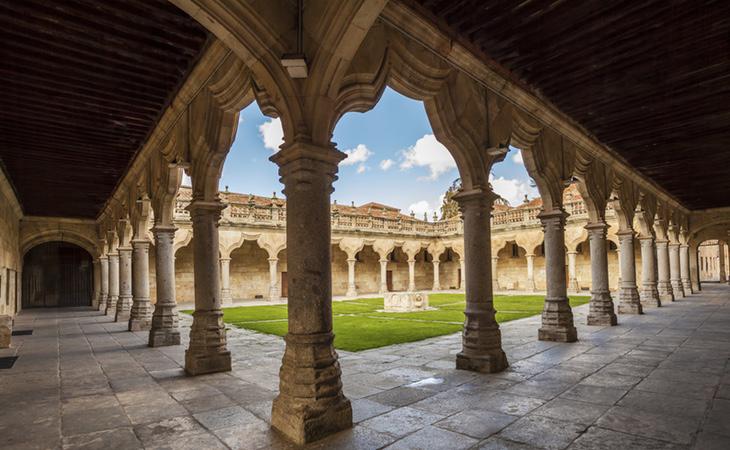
(83, 84)
(650, 79)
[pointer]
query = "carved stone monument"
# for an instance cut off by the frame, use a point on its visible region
(406, 301)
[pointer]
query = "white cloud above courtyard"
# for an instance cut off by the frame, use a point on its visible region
(272, 134)
(512, 189)
(429, 153)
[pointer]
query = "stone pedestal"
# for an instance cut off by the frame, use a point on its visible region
(629, 300)
(111, 303)
(6, 331)
(310, 404)
(405, 301)
(124, 304)
(351, 288)
(164, 329)
(664, 285)
(674, 273)
(649, 294)
(226, 298)
(482, 340)
(140, 317)
(684, 269)
(207, 351)
(557, 317)
(104, 271)
(601, 304)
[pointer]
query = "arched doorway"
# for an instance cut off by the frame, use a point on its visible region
(57, 274)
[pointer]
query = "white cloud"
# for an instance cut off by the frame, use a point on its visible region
(386, 164)
(186, 181)
(517, 158)
(428, 152)
(512, 190)
(359, 154)
(272, 134)
(425, 206)
(361, 168)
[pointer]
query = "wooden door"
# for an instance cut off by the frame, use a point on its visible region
(284, 285)
(57, 274)
(389, 280)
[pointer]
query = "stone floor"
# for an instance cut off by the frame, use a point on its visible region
(661, 380)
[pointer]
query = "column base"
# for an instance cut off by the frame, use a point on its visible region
(351, 292)
(102, 304)
(677, 289)
(649, 297)
(164, 337)
(6, 331)
(111, 306)
(200, 364)
(140, 318)
(557, 334)
(557, 321)
(665, 291)
(139, 324)
(687, 287)
(629, 301)
(226, 298)
(207, 352)
(123, 312)
(601, 311)
(495, 361)
(310, 404)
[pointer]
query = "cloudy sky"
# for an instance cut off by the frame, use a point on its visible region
(393, 158)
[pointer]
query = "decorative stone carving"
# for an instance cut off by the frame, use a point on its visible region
(405, 301)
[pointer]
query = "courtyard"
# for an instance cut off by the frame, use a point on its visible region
(656, 381)
(361, 324)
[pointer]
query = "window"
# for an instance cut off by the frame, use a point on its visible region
(515, 251)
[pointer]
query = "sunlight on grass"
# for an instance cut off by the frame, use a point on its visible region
(360, 324)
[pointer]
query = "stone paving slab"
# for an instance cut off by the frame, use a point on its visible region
(656, 381)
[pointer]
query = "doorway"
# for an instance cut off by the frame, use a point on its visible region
(57, 274)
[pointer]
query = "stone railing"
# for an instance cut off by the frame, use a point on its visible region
(274, 216)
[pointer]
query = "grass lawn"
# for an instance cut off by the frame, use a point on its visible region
(359, 326)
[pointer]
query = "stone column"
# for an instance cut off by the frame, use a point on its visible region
(495, 274)
(664, 286)
(557, 317)
(97, 284)
(111, 304)
(601, 304)
(572, 276)
(462, 265)
(628, 294)
(721, 262)
(674, 272)
(383, 276)
(351, 288)
(482, 340)
(104, 269)
(274, 290)
(226, 298)
(124, 304)
(140, 317)
(436, 275)
(411, 274)
(207, 351)
(649, 294)
(164, 329)
(685, 275)
(310, 404)
(531, 272)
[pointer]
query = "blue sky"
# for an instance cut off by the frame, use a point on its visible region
(393, 159)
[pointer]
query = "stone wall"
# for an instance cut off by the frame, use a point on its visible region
(10, 259)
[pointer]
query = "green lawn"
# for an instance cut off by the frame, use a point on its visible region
(359, 326)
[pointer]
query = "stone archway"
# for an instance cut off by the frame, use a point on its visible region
(57, 274)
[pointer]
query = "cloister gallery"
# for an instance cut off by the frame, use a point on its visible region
(620, 112)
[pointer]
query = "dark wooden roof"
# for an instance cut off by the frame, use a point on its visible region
(650, 78)
(83, 83)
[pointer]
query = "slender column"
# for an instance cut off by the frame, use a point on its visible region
(207, 351)
(351, 288)
(97, 284)
(721, 262)
(104, 268)
(226, 298)
(601, 304)
(111, 304)
(462, 264)
(649, 294)
(274, 289)
(674, 273)
(557, 317)
(436, 276)
(310, 404)
(124, 304)
(573, 285)
(531, 272)
(383, 276)
(629, 302)
(164, 329)
(411, 274)
(663, 284)
(495, 274)
(140, 317)
(482, 340)
(685, 275)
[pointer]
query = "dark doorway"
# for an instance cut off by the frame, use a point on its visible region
(389, 280)
(284, 285)
(57, 274)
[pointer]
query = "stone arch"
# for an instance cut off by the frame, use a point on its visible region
(249, 270)
(60, 235)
